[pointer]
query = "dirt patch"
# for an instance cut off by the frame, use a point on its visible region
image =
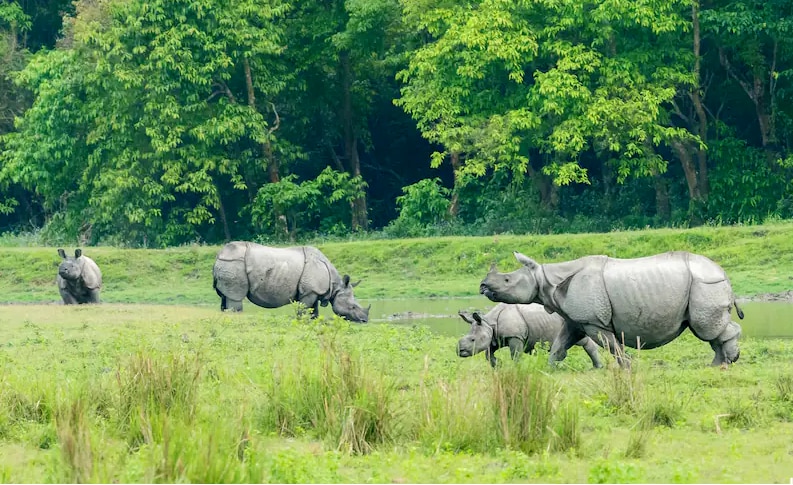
(784, 296)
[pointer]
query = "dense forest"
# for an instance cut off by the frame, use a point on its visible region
(163, 122)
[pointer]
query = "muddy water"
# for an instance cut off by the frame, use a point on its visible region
(762, 319)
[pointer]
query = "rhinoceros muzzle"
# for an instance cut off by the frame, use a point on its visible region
(485, 290)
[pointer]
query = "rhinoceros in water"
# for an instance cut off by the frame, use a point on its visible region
(273, 277)
(641, 303)
(520, 327)
(79, 279)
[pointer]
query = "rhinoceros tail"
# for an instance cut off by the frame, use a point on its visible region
(737, 308)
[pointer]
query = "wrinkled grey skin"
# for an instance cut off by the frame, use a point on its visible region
(641, 303)
(520, 327)
(79, 279)
(273, 277)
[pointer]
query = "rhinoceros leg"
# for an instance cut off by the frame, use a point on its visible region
(93, 296)
(591, 348)
(725, 345)
(517, 347)
(609, 341)
(566, 338)
(68, 299)
(710, 320)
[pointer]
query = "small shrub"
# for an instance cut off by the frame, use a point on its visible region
(608, 471)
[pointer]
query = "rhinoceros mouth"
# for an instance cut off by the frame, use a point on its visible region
(463, 353)
(483, 289)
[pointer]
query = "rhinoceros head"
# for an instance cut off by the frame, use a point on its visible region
(70, 268)
(344, 303)
(519, 286)
(478, 338)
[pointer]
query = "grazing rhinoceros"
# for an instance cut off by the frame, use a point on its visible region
(520, 327)
(642, 303)
(79, 279)
(273, 277)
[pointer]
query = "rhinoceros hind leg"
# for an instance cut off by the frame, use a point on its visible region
(591, 348)
(726, 345)
(227, 303)
(609, 341)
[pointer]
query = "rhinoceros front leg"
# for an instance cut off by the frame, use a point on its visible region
(68, 299)
(566, 338)
(93, 296)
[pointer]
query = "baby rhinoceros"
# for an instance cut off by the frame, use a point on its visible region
(520, 327)
(79, 279)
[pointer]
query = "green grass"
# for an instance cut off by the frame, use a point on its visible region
(758, 259)
(147, 393)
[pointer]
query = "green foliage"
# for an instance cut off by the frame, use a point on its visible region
(321, 205)
(422, 205)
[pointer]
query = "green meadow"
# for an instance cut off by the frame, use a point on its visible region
(157, 385)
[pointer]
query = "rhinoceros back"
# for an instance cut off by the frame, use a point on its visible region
(229, 275)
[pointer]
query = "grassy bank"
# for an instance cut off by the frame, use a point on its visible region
(129, 393)
(758, 259)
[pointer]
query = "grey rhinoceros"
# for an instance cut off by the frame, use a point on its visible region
(272, 277)
(520, 327)
(641, 303)
(79, 279)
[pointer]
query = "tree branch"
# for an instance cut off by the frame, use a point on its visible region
(731, 72)
(277, 119)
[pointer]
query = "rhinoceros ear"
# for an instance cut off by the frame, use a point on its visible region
(466, 317)
(478, 318)
(356, 283)
(525, 260)
(346, 280)
(77, 253)
(62, 253)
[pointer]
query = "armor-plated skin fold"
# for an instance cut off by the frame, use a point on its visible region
(273, 277)
(640, 303)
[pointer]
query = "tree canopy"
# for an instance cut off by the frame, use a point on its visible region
(153, 123)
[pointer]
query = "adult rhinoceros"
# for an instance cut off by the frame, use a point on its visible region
(642, 303)
(79, 279)
(273, 277)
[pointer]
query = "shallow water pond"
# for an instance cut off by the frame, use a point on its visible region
(762, 319)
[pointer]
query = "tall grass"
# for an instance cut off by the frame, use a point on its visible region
(150, 389)
(335, 396)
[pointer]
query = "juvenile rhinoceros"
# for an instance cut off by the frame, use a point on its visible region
(641, 303)
(520, 327)
(272, 277)
(79, 278)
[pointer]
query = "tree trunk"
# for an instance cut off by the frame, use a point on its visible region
(696, 100)
(223, 219)
(454, 205)
(266, 147)
(549, 196)
(662, 208)
(360, 218)
(695, 203)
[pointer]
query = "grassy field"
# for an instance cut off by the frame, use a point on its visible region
(169, 393)
(758, 259)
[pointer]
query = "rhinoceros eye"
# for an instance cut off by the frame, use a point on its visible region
(506, 280)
